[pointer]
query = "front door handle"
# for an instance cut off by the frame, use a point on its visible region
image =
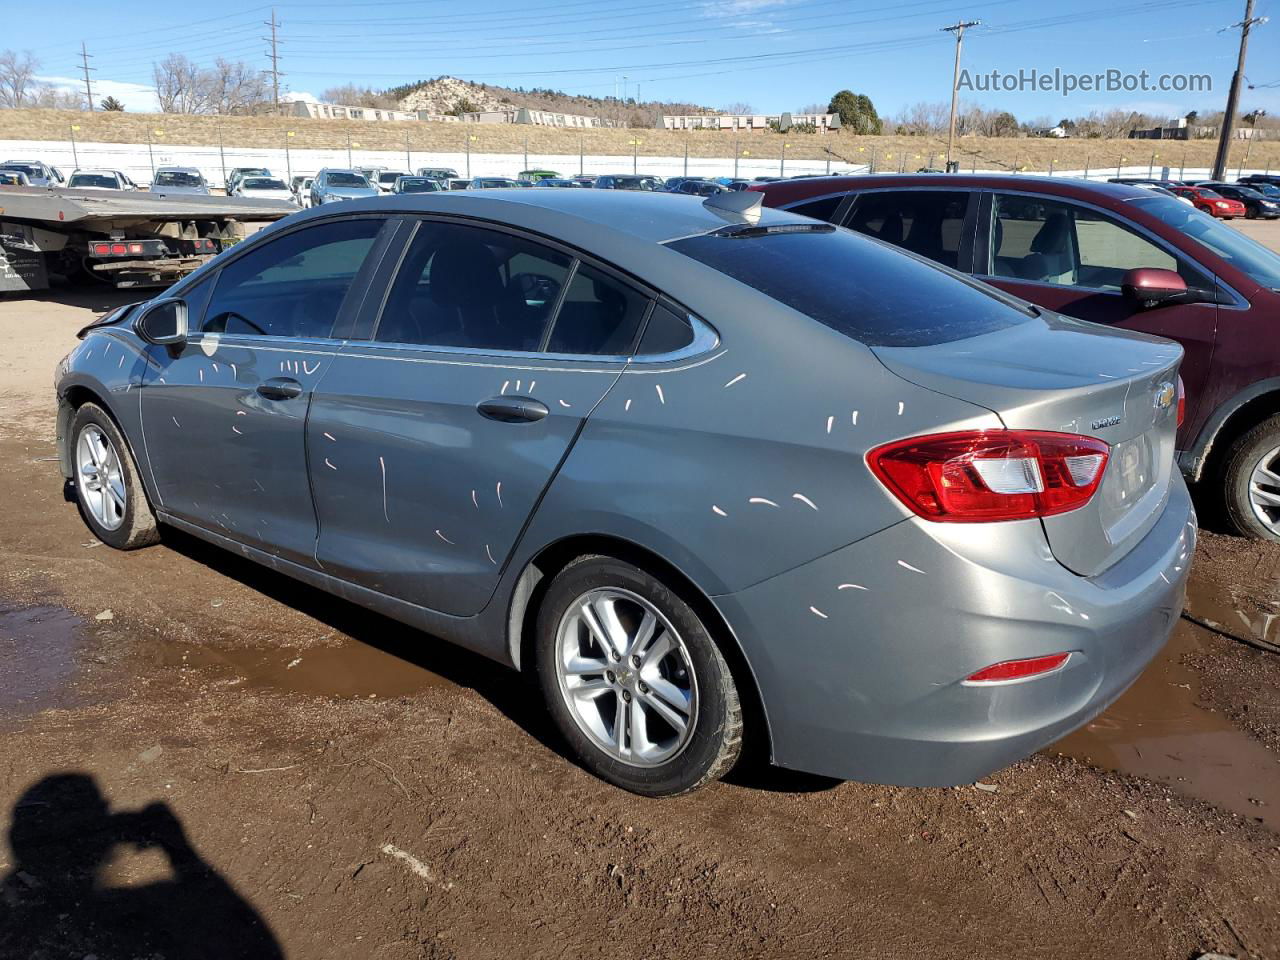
(280, 388)
(512, 409)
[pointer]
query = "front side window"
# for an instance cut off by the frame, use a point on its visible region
(1243, 253)
(294, 285)
(464, 286)
(821, 209)
(927, 222)
(1050, 241)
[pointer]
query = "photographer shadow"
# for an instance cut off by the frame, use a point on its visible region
(53, 902)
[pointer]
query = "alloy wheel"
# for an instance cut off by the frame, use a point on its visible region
(625, 675)
(99, 478)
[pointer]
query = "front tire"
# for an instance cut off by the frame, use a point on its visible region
(635, 681)
(108, 489)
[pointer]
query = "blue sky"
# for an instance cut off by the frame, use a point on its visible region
(773, 54)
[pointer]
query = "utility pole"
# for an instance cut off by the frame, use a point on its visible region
(1233, 95)
(88, 88)
(274, 56)
(958, 29)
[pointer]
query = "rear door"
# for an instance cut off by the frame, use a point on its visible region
(1071, 257)
(223, 414)
(432, 441)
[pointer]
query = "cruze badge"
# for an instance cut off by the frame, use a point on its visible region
(1165, 394)
(1105, 422)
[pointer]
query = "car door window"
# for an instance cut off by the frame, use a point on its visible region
(468, 287)
(293, 286)
(1050, 241)
(927, 222)
(599, 316)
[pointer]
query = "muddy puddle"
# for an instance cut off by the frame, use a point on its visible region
(1161, 730)
(38, 651)
(351, 670)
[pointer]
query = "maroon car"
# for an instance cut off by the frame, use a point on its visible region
(1117, 255)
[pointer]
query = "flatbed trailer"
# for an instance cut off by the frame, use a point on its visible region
(121, 237)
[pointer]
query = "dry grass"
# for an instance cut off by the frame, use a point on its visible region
(889, 152)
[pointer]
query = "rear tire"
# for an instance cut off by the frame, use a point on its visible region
(661, 714)
(108, 490)
(1251, 481)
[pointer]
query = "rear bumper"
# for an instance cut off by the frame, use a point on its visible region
(865, 682)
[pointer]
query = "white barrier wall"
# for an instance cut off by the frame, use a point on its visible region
(136, 160)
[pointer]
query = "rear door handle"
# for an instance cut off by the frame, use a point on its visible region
(512, 409)
(280, 388)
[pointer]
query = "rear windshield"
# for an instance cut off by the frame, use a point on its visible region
(262, 183)
(860, 287)
(178, 178)
(347, 180)
(423, 185)
(93, 180)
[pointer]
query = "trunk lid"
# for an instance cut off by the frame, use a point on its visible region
(1064, 375)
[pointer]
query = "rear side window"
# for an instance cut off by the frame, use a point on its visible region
(464, 286)
(667, 332)
(927, 222)
(598, 316)
(862, 289)
(823, 209)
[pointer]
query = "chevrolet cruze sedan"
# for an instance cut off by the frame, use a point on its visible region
(712, 472)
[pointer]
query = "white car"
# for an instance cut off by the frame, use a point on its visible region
(302, 191)
(387, 180)
(99, 180)
(263, 188)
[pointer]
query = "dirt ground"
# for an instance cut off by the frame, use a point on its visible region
(200, 758)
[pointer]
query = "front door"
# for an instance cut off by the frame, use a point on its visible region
(432, 443)
(1072, 258)
(223, 415)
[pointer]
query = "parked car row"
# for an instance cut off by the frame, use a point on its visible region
(714, 471)
(1256, 196)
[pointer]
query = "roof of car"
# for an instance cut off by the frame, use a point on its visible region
(572, 215)
(822, 186)
(94, 173)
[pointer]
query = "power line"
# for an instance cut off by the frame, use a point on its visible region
(88, 87)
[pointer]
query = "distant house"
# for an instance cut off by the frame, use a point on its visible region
(752, 123)
(538, 118)
(1057, 133)
(336, 111)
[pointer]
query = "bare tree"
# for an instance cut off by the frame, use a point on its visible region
(45, 96)
(814, 108)
(235, 87)
(739, 108)
(922, 118)
(17, 78)
(181, 86)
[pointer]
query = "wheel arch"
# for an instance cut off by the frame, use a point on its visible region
(526, 598)
(1231, 420)
(71, 399)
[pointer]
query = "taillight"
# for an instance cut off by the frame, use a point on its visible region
(102, 249)
(988, 475)
(1009, 670)
(135, 248)
(1182, 401)
(119, 248)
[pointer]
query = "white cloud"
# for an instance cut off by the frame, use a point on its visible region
(302, 95)
(136, 97)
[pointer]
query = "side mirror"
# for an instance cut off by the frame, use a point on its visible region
(164, 323)
(1152, 285)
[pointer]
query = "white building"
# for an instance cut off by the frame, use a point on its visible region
(336, 111)
(757, 123)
